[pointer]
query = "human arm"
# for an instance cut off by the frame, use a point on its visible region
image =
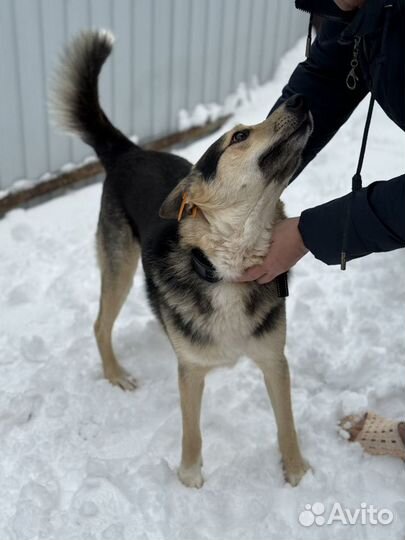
(377, 224)
(321, 79)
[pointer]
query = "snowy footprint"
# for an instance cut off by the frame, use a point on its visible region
(100, 501)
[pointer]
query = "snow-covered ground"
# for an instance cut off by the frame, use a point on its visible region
(81, 459)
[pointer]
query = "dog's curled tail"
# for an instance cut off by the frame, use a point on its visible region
(74, 100)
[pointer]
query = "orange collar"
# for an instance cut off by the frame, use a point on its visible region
(184, 203)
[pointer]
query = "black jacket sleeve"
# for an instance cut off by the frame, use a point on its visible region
(377, 222)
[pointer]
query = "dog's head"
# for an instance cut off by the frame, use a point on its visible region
(246, 164)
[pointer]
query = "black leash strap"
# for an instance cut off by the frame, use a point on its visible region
(282, 285)
(357, 181)
(309, 35)
(206, 270)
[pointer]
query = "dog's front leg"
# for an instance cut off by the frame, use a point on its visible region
(191, 385)
(277, 378)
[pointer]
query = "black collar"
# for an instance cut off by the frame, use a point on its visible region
(206, 270)
(203, 266)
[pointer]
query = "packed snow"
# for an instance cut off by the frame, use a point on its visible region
(83, 460)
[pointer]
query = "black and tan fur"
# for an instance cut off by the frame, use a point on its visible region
(236, 186)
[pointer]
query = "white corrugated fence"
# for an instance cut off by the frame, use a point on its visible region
(169, 55)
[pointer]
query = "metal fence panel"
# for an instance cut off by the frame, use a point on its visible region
(169, 55)
(12, 142)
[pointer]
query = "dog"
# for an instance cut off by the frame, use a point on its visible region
(196, 228)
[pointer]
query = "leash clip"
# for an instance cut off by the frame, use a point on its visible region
(352, 78)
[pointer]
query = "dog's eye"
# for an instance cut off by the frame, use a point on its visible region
(240, 136)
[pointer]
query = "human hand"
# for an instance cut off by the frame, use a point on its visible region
(286, 249)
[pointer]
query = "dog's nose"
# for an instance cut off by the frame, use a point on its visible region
(296, 103)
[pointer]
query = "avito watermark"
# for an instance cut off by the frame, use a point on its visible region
(367, 514)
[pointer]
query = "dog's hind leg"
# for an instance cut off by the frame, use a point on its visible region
(191, 385)
(118, 255)
(277, 379)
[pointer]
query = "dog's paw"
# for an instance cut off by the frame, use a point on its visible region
(296, 471)
(191, 476)
(122, 379)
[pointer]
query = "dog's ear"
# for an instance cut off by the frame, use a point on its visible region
(171, 205)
